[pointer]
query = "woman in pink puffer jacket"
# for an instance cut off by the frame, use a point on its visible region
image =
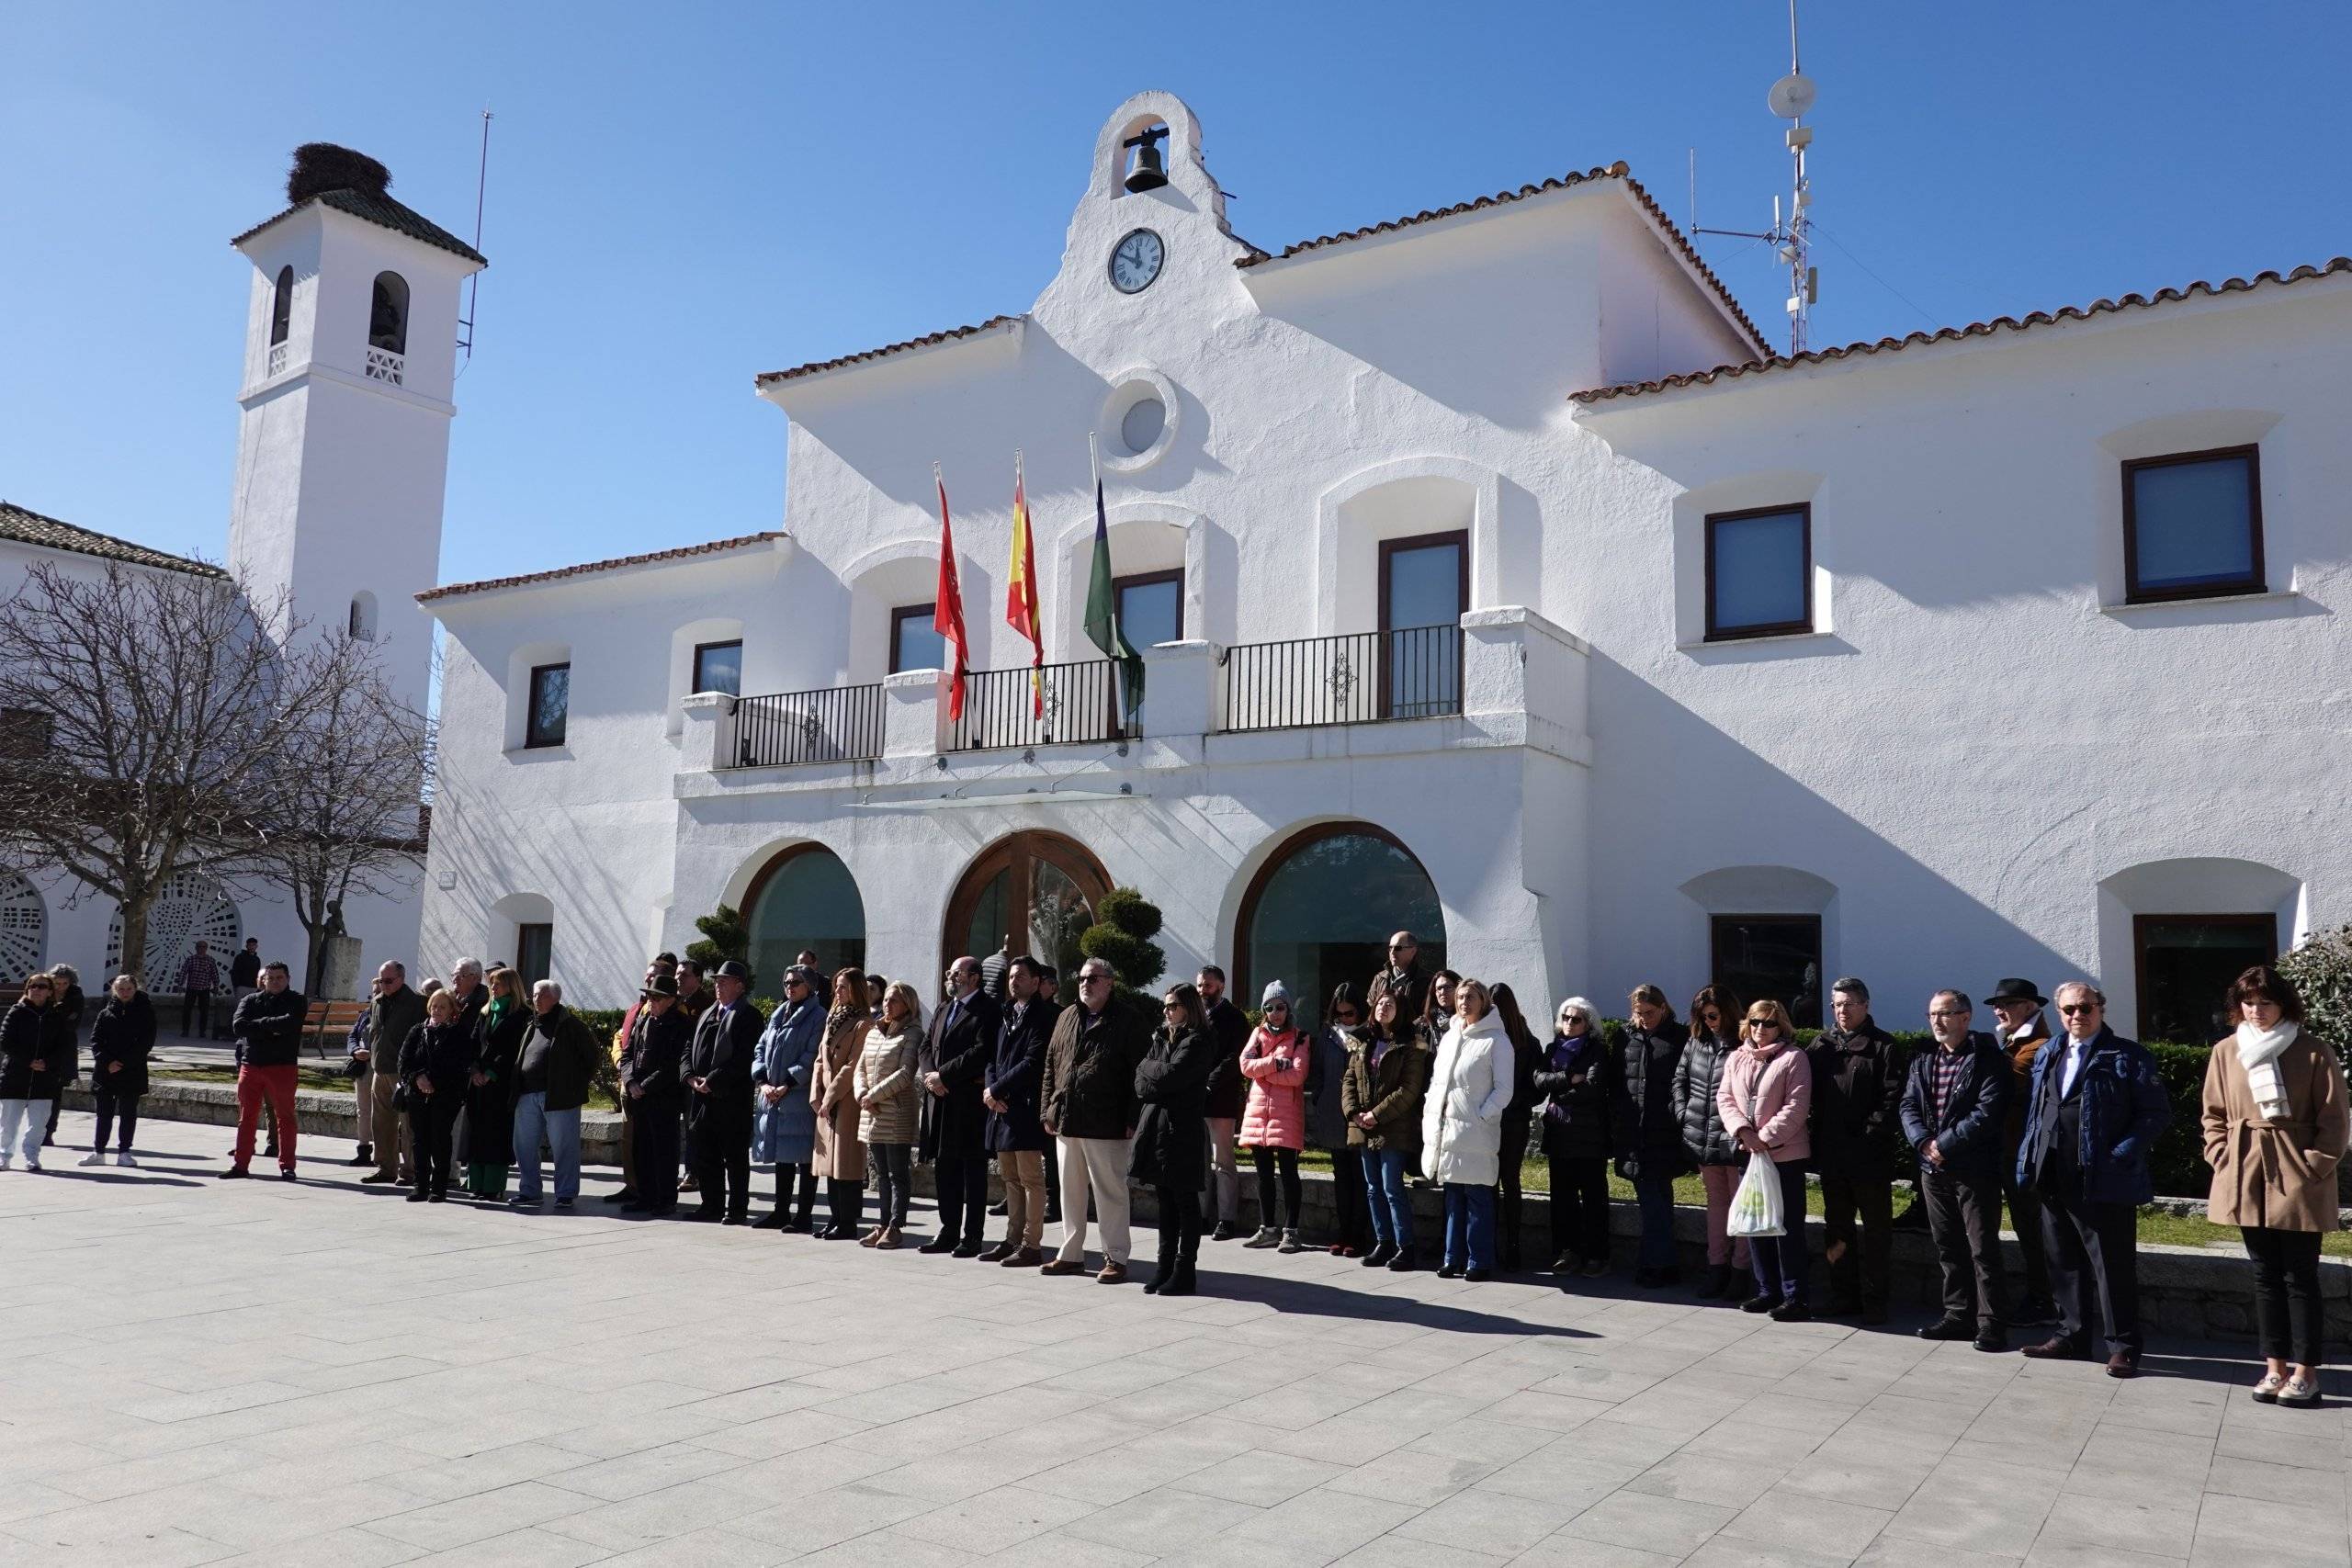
(1273, 1126)
(1765, 1102)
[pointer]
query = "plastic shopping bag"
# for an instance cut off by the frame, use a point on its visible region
(1755, 1207)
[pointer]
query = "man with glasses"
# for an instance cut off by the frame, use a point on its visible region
(1088, 1101)
(2023, 1032)
(1402, 978)
(2098, 1109)
(1954, 1100)
(393, 1009)
(1014, 1133)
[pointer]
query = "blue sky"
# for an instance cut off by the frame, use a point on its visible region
(682, 196)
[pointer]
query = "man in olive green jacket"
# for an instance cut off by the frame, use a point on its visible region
(391, 1013)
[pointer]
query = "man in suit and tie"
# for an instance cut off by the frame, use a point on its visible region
(957, 1051)
(1015, 1133)
(2098, 1107)
(718, 1076)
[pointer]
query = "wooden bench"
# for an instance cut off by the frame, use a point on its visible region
(331, 1022)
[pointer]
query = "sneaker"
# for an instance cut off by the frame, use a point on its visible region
(1267, 1236)
(33, 1165)
(286, 1173)
(7, 1160)
(93, 1158)
(125, 1158)
(234, 1173)
(1291, 1243)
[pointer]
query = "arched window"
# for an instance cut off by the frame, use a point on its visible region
(1322, 907)
(387, 315)
(363, 616)
(23, 926)
(805, 897)
(1038, 888)
(281, 307)
(192, 907)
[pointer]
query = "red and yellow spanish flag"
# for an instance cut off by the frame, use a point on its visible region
(1021, 589)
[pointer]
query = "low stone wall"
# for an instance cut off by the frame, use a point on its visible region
(2187, 1291)
(322, 1112)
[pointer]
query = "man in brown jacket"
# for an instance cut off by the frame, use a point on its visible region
(392, 1011)
(2022, 1033)
(1088, 1101)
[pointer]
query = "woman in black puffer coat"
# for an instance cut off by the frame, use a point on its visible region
(1714, 1035)
(1170, 1154)
(1646, 1125)
(119, 1042)
(1572, 1079)
(437, 1061)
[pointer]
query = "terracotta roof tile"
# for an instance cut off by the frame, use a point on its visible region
(1973, 329)
(1617, 171)
(32, 528)
(382, 211)
(771, 377)
(715, 546)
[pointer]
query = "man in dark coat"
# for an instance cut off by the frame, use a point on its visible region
(554, 1065)
(1086, 1099)
(954, 1055)
(1403, 978)
(652, 1082)
(1645, 1127)
(392, 1011)
(268, 1029)
(1016, 1135)
(718, 1072)
(1228, 1093)
(1954, 1101)
(1856, 1112)
(2097, 1111)
(2024, 1031)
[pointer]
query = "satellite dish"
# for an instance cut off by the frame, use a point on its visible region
(1791, 97)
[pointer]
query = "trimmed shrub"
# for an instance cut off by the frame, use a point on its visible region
(1126, 923)
(725, 935)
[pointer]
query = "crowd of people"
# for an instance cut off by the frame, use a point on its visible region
(1419, 1077)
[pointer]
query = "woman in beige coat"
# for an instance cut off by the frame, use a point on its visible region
(838, 1159)
(2275, 1127)
(884, 1089)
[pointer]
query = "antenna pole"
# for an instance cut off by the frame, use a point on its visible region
(473, 282)
(1694, 190)
(1796, 239)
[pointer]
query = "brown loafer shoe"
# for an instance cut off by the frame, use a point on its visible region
(1113, 1274)
(999, 1253)
(2057, 1348)
(1022, 1257)
(2123, 1364)
(1063, 1266)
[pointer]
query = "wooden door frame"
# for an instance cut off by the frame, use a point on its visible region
(1018, 855)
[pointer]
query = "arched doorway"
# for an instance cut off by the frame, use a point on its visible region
(804, 898)
(1039, 888)
(1321, 908)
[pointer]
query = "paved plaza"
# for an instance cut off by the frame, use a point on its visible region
(322, 1374)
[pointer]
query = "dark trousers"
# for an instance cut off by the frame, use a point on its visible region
(1964, 1219)
(1580, 1208)
(653, 1147)
(2094, 1249)
(892, 1163)
(2287, 1317)
(433, 1121)
(1779, 1262)
(722, 1164)
(1179, 1230)
(126, 1106)
(963, 1184)
(1270, 1164)
(1354, 1227)
(2025, 1218)
(195, 1008)
(799, 1178)
(1507, 1190)
(1857, 1228)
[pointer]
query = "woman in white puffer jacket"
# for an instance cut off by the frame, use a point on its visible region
(1462, 1129)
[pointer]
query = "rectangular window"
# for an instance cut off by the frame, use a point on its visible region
(719, 667)
(1759, 572)
(551, 700)
(2192, 526)
(2184, 964)
(914, 643)
(1151, 608)
(1424, 588)
(1771, 958)
(534, 952)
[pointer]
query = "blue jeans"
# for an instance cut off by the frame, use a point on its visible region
(1778, 1261)
(1656, 1195)
(1469, 1226)
(534, 1121)
(1391, 1206)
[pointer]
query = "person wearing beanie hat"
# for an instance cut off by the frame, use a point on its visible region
(1274, 1124)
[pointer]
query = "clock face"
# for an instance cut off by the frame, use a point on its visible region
(1135, 261)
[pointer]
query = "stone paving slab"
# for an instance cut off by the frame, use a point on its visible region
(320, 1374)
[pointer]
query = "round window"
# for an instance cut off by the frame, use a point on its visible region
(1142, 424)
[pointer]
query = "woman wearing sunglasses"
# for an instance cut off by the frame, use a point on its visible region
(1765, 1097)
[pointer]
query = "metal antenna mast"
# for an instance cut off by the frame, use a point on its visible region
(473, 282)
(1791, 98)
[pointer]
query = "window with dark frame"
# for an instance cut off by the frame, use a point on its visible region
(388, 314)
(1759, 572)
(719, 667)
(1424, 589)
(915, 644)
(550, 705)
(2192, 526)
(534, 953)
(281, 307)
(2182, 967)
(1775, 958)
(1150, 606)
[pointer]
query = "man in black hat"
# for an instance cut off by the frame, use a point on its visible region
(651, 1089)
(719, 1074)
(2023, 1032)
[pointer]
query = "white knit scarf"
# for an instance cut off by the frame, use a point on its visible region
(2258, 1054)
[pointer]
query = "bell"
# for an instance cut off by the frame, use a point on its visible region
(1149, 173)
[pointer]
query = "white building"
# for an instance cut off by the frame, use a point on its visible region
(342, 462)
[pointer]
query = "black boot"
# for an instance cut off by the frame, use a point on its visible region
(1182, 1282)
(1167, 1269)
(367, 1156)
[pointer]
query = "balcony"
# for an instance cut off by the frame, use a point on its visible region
(383, 365)
(1359, 678)
(1069, 703)
(840, 723)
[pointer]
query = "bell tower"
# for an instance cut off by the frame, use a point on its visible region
(343, 443)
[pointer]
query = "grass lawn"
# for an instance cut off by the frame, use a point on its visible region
(329, 1080)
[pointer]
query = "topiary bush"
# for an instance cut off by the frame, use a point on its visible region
(725, 935)
(1125, 921)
